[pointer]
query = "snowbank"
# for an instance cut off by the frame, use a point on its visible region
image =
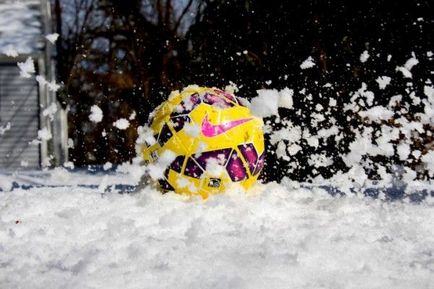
(275, 237)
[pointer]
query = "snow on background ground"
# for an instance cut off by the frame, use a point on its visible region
(276, 236)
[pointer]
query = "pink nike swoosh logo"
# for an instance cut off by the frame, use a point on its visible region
(210, 130)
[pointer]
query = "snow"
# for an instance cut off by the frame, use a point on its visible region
(377, 113)
(429, 92)
(44, 134)
(156, 170)
(192, 129)
(27, 68)
(5, 128)
(52, 85)
(383, 81)
(52, 38)
(122, 123)
(20, 28)
(276, 236)
(405, 72)
(403, 151)
(308, 63)
(50, 111)
(364, 56)
(285, 98)
(132, 115)
(96, 114)
(215, 166)
(266, 103)
(409, 64)
(428, 159)
(10, 51)
(145, 135)
(107, 166)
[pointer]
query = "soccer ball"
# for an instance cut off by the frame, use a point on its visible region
(206, 140)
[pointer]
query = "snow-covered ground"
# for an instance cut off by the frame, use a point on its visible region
(276, 236)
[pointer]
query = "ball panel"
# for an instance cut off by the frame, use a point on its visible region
(176, 165)
(164, 135)
(250, 155)
(260, 164)
(235, 168)
(221, 156)
(192, 169)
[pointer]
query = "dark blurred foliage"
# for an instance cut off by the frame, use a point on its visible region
(127, 56)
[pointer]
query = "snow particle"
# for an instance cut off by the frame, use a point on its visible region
(50, 111)
(27, 68)
(107, 166)
(308, 63)
(364, 56)
(383, 81)
(266, 103)
(96, 114)
(122, 123)
(44, 134)
(10, 51)
(5, 128)
(52, 38)
(285, 98)
(192, 129)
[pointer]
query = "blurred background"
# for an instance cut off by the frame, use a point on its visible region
(127, 56)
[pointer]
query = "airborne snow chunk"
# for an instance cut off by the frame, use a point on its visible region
(122, 123)
(383, 81)
(308, 63)
(96, 114)
(52, 38)
(266, 103)
(27, 68)
(364, 56)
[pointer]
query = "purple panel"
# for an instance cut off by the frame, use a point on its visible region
(177, 164)
(235, 168)
(250, 155)
(217, 100)
(228, 95)
(165, 135)
(260, 164)
(192, 169)
(221, 155)
(179, 122)
(164, 184)
(195, 99)
(166, 174)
